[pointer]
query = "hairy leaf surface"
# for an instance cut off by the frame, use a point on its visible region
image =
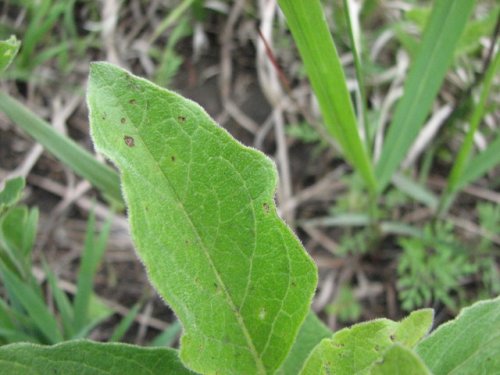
(469, 344)
(84, 357)
(204, 223)
(357, 349)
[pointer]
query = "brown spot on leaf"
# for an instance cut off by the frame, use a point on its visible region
(181, 118)
(265, 206)
(123, 120)
(172, 157)
(104, 115)
(129, 141)
(132, 101)
(392, 337)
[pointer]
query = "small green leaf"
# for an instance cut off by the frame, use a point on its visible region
(8, 51)
(204, 222)
(399, 360)
(414, 327)
(11, 193)
(351, 350)
(87, 357)
(355, 350)
(469, 344)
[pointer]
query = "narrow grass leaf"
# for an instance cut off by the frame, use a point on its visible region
(446, 24)
(324, 69)
(33, 304)
(125, 323)
(481, 163)
(92, 254)
(87, 357)
(463, 157)
(169, 335)
(415, 190)
(63, 148)
(203, 219)
(62, 302)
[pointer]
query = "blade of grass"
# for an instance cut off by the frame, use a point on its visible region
(459, 166)
(63, 148)
(352, 19)
(92, 255)
(481, 163)
(446, 24)
(168, 337)
(62, 302)
(125, 323)
(415, 190)
(173, 16)
(34, 305)
(324, 69)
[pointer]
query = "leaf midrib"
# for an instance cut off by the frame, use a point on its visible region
(246, 333)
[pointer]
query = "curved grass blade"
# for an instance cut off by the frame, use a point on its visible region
(63, 148)
(204, 222)
(446, 25)
(324, 69)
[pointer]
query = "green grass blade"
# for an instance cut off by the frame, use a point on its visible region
(63, 148)
(125, 323)
(324, 69)
(92, 255)
(481, 163)
(62, 302)
(353, 25)
(463, 157)
(168, 337)
(415, 190)
(447, 22)
(172, 17)
(33, 304)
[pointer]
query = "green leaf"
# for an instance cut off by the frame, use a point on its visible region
(33, 304)
(83, 357)
(204, 222)
(8, 51)
(399, 360)
(310, 334)
(447, 22)
(322, 63)
(11, 193)
(414, 327)
(354, 350)
(63, 148)
(469, 344)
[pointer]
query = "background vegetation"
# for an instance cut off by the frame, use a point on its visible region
(428, 235)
